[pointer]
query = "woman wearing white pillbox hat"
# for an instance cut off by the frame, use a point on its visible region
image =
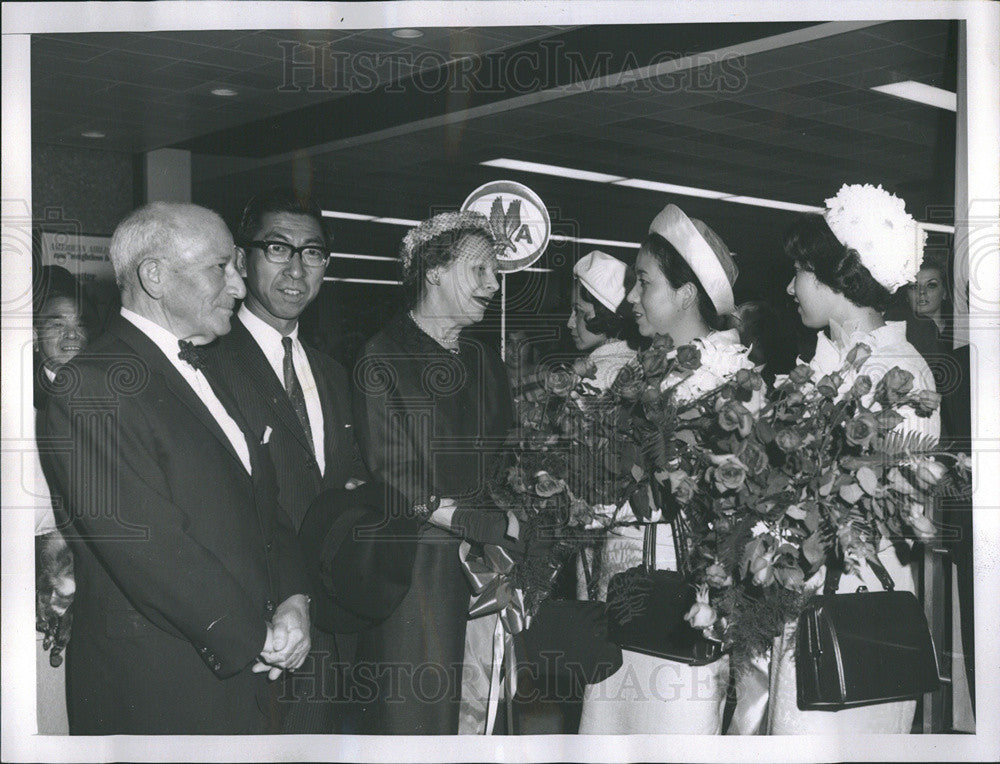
(684, 288)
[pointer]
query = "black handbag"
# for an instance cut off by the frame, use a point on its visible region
(569, 638)
(646, 608)
(863, 648)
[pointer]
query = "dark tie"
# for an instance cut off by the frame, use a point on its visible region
(191, 354)
(294, 389)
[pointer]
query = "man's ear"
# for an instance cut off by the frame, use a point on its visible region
(433, 276)
(151, 277)
(241, 261)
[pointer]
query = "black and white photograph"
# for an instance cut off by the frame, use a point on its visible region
(501, 381)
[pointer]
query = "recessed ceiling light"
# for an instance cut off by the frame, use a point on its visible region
(93, 134)
(670, 188)
(224, 92)
(921, 93)
(407, 34)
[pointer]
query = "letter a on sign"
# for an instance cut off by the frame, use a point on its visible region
(518, 218)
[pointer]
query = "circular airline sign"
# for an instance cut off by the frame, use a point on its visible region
(518, 218)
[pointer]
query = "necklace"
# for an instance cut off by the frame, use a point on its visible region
(450, 345)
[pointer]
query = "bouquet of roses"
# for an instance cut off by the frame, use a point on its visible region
(821, 475)
(666, 401)
(556, 469)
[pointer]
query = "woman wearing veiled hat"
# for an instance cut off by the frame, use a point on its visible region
(684, 288)
(848, 262)
(432, 404)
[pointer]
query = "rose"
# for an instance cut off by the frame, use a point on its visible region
(860, 430)
(787, 440)
(702, 614)
(628, 385)
(753, 457)
(662, 342)
(717, 577)
(585, 368)
(763, 569)
(894, 386)
(730, 474)
(801, 374)
(858, 355)
(650, 397)
(559, 382)
(734, 416)
(829, 384)
(682, 487)
(929, 472)
(655, 361)
(688, 357)
(749, 379)
(862, 386)
(917, 520)
(925, 402)
(546, 485)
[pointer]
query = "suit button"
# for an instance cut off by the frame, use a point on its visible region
(216, 666)
(311, 464)
(268, 547)
(269, 606)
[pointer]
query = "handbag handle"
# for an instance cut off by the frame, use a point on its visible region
(649, 545)
(835, 568)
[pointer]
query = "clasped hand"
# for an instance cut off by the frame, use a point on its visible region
(287, 643)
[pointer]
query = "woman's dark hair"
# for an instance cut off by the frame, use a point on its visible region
(433, 253)
(615, 324)
(770, 337)
(678, 273)
(813, 246)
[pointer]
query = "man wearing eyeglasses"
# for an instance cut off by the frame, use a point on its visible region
(300, 393)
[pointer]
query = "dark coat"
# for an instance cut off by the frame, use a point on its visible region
(428, 421)
(180, 555)
(238, 360)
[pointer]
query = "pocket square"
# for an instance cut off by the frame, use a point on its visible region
(266, 437)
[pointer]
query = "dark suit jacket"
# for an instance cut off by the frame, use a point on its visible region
(262, 400)
(180, 552)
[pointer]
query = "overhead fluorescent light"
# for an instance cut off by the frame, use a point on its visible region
(396, 221)
(773, 203)
(385, 282)
(939, 227)
(670, 188)
(551, 169)
(407, 34)
(93, 134)
(350, 256)
(921, 93)
(346, 215)
(224, 92)
(534, 270)
(645, 185)
(596, 242)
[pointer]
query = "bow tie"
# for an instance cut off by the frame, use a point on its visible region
(191, 354)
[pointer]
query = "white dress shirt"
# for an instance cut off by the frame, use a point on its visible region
(167, 343)
(269, 340)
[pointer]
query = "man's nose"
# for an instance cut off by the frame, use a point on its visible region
(633, 295)
(790, 289)
(236, 287)
(294, 266)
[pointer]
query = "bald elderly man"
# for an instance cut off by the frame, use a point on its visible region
(190, 589)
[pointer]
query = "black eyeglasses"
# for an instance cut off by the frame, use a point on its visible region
(281, 252)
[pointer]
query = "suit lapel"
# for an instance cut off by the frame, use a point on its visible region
(331, 416)
(251, 359)
(174, 382)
